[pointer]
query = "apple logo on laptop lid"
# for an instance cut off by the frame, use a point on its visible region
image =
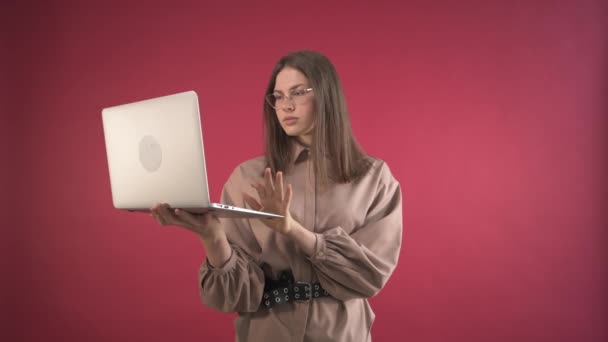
(150, 153)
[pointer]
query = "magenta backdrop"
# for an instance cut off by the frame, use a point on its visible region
(491, 114)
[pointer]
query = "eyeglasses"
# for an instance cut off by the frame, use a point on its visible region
(297, 96)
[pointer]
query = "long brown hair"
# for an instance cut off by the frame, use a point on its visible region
(332, 135)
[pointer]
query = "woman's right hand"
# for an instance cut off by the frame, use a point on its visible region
(206, 225)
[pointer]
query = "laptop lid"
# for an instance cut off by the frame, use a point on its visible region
(155, 153)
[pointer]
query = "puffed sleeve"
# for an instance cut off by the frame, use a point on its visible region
(236, 286)
(359, 265)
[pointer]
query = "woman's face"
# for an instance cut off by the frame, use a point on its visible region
(295, 104)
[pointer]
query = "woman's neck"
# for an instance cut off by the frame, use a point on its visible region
(304, 141)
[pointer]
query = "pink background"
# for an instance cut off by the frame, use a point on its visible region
(491, 114)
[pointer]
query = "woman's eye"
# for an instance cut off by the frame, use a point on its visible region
(278, 97)
(298, 93)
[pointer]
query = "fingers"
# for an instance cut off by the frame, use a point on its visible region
(190, 219)
(274, 190)
(199, 223)
(166, 216)
(252, 202)
(289, 195)
(260, 189)
(269, 184)
(279, 186)
(155, 212)
(203, 225)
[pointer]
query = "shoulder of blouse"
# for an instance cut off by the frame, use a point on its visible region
(248, 169)
(379, 169)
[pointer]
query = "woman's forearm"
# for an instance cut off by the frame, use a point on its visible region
(304, 238)
(217, 248)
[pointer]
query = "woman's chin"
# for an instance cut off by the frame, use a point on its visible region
(291, 132)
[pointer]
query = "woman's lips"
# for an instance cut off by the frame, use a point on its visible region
(290, 120)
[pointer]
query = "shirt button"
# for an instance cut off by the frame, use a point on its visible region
(320, 254)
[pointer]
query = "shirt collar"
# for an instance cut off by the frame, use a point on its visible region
(300, 151)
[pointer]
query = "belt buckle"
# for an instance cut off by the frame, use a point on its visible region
(307, 291)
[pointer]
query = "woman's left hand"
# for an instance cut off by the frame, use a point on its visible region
(275, 199)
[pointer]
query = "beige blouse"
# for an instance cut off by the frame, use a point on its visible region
(358, 228)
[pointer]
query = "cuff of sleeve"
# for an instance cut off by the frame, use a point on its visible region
(320, 252)
(229, 265)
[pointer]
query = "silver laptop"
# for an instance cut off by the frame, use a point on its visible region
(155, 155)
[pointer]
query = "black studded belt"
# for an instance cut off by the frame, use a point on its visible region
(285, 290)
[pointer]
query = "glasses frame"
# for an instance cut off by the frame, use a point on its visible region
(269, 97)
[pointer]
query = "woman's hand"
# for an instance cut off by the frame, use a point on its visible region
(275, 199)
(207, 225)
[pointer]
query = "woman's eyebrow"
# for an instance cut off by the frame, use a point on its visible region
(293, 87)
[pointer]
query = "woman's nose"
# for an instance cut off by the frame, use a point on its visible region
(288, 106)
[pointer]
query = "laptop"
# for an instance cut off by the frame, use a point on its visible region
(155, 155)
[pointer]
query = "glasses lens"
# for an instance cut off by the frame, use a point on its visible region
(300, 95)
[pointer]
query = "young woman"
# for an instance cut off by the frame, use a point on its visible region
(306, 277)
